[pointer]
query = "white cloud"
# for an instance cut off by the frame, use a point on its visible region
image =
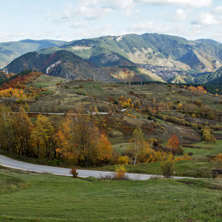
(148, 27)
(181, 14)
(81, 24)
(124, 4)
(92, 9)
(186, 3)
(218, 10)
(85, 9)
(206, 18)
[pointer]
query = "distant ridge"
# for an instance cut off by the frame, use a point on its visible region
(146, 57)
(11, 50)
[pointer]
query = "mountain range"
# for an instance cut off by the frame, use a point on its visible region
(147, 57)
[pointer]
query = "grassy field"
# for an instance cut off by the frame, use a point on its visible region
(199, 166)
(39, 197)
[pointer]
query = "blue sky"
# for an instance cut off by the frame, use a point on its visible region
(76, 19)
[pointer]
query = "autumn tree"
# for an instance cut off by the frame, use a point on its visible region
(81, 141)
(7, 129)
(23, 127)
(104, 150)
(44, 136)
(174, 146)
(137, 144)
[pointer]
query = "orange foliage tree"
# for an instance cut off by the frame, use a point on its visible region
(174, 146)
(81, 142)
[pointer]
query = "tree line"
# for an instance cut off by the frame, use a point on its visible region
(75, 139)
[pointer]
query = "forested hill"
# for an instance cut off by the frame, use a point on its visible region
(154, 49)
(11, 50)
(147, 57)
(61, 63)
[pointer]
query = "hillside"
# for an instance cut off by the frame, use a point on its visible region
(11, 50)
(152, 57)
(161, 110)
(165, 104)
(62, 63)
(214, 82)
(154, 49)
(65, 64)
(2, 76)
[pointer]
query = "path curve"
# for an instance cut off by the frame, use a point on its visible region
(19, 165)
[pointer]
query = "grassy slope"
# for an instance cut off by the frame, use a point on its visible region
(69, 92)
(70, 95)
(53, 198)
(10, 183)
(199, 166)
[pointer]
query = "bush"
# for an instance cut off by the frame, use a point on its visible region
(124, 160)
(184, 157)
(201, 173)
(81, 92)
(217, 161)
(120, 173)
(149, 118)
(207, 135)
(190, 154)
(74, 172)
(104, 108)
(167, 166)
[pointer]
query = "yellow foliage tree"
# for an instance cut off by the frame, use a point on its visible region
(81, 142)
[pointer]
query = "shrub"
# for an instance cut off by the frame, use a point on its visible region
(124, 160)
(217, 161)
(167, 166)
(184, 157)
(120, 173)
(149, 118)
(190, 154)
(81, 92)
(207, 135)
(104, 108)
(74, 172)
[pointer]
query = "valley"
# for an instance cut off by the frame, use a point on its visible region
(160, 109)
(112, 108)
